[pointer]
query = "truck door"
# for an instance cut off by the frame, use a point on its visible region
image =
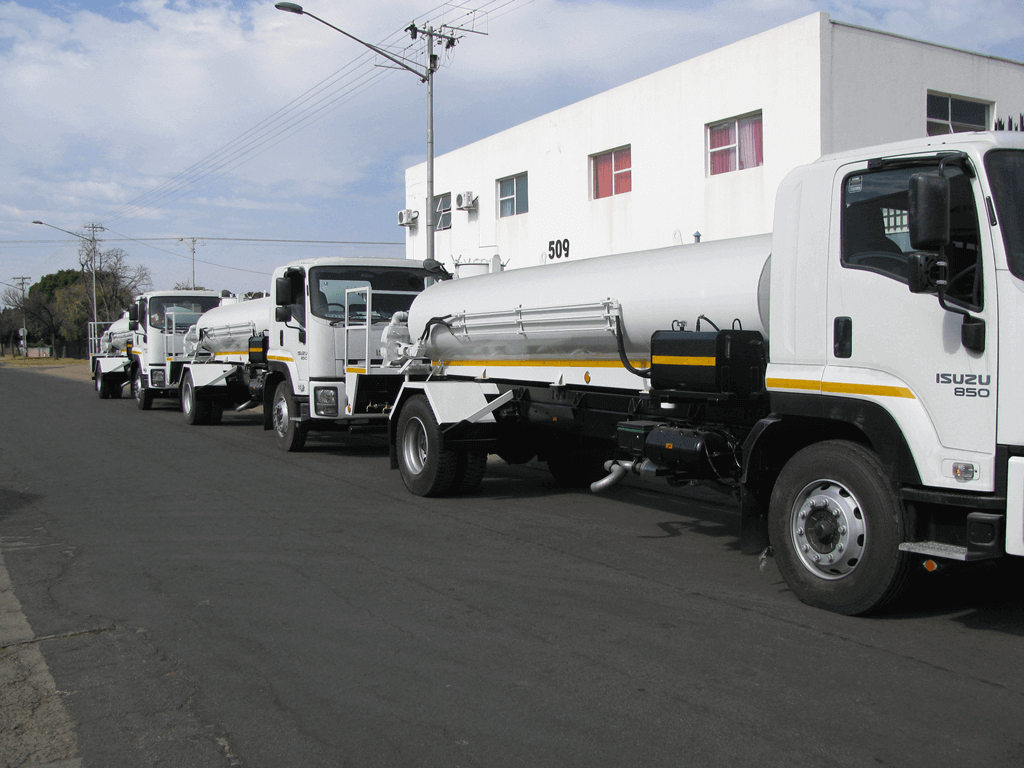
(291, 336)
(903, 351)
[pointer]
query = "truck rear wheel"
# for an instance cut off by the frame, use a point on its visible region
(102, 386)
(196, 410)
(836, 525)
(143, 397)
(291, 434)
(426, 469)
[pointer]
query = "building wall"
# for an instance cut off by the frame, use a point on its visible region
(880, 85)
(820, 87)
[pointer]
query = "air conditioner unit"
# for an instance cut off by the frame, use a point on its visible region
(407, 218)
(465, 201)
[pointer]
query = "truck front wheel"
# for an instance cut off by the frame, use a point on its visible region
(426, 469)
(291, 433)
(835, 526)
(196, 410)
(143, 397)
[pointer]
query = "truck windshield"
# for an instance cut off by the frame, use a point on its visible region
(1006, 177)
(185, 309)
(394, 289)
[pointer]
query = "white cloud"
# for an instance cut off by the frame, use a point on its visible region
(103, 106)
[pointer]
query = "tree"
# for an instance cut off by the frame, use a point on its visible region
(60, 305)
(117, 280)
(10, 322)
(186, 285)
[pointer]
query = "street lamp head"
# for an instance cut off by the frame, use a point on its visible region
(37, 222)
(289, 7)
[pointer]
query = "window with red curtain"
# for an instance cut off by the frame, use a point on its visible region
(734, 145)
(612, 173)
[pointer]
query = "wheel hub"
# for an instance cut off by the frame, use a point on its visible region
(281, 416)
(828, 529)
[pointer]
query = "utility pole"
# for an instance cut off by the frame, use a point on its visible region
(425, 75)
(191, 243)
(93, 229)
(24, 313)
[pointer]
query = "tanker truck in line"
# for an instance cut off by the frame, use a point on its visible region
(855, 376)
(142, 347)
(309, 353)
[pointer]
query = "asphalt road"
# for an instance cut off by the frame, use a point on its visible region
(198, 598)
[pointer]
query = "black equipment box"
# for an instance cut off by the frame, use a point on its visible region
(724, 362)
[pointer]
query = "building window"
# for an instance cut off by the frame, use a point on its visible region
(512, 196)
(612, 173)
(735, 144)
(947, 114)
(443, 211)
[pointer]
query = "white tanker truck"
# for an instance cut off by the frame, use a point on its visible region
(308, 354)
(158, 321)
(842, 374)
(109, 356)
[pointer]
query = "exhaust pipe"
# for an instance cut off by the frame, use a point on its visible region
(247, 406)
(618, 470)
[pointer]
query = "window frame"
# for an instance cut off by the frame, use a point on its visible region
(733, 149)
(894, 221)
(947, 122)
(621, 177)
(516, 179)
(442, 212)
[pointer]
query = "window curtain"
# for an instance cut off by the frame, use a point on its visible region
(721, 143)
(750, 143)
(602, 175)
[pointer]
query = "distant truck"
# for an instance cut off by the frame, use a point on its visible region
(309, 354)
(157, 322)
(854, 376)
(143, 346)
(109, 357)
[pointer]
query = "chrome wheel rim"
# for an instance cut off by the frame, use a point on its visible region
(828, 529)
(281, 416)
(414, 445)
(186, 397)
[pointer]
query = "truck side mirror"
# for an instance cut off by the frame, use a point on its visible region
(133, 325)
(282, 291)
(133, 314)
(924, 272)
(283, 314)
(928, 212)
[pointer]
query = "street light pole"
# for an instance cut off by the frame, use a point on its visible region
(92, 257)
(425, 75)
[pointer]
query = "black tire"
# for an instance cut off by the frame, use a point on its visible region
(102, 386)
(835, 525)
(577, 467)
(426, 469)
(143, 397)
(291, 434)
(195, 408)
(116, 390)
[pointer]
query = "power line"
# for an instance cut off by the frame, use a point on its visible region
(276, 128)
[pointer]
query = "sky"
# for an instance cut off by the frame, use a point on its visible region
(234, 125)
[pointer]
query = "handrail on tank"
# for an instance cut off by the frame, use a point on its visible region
(366, 325)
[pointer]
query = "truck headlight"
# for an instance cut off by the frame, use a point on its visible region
(156, 377)
(325, 401)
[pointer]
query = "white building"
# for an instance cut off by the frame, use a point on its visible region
(700, 146)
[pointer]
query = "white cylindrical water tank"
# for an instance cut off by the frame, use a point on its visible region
(227, 328)
(726, 281)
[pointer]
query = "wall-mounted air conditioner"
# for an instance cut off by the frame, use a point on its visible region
(407, 218)
(465, 201)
